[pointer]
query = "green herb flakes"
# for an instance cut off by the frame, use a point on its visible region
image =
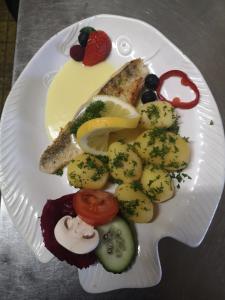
(129, 207)
(59, 172)
(136, 186)
(175, 126)
(180, 177)
(119, 159)
(93, 111)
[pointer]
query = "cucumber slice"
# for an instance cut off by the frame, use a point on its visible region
(116, 249)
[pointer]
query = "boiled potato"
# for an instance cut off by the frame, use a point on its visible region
(134, 204)
(157, 184)
(158, 114)
(87, 171)
(179, 155)
(164, 149)
(151, 146)
(124, 163)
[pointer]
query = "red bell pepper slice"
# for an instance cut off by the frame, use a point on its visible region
(185, 80)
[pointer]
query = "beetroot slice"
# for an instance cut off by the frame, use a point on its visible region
(52, 212)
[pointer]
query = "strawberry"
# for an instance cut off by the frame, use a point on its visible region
(97, 49)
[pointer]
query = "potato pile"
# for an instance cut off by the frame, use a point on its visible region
(141, 168)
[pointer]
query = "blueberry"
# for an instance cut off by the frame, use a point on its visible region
(83, 38)
(87, 29)
(148, 96)
(151, 81)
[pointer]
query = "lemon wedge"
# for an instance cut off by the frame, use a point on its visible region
(114, 107)
(93, 135)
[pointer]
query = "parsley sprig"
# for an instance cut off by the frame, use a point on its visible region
(93, 111)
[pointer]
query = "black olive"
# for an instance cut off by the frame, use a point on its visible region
(148, 96)
(151, 81)
(83, 38)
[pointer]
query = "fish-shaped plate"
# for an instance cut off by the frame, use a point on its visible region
(23, 137)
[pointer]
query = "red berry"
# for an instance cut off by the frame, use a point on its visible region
(77, 52)
(97, 49)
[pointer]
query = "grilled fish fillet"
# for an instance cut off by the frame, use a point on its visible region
(126, 83)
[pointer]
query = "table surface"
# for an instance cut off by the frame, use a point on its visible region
(198, 29)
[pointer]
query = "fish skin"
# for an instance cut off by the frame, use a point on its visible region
(126, 84)
(60, 152)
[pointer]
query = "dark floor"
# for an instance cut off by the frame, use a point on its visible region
(7, 47)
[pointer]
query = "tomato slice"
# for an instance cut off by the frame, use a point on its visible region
(95, 207)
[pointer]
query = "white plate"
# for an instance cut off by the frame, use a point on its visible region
(23, 137)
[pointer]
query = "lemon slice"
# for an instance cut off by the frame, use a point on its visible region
(93, 135)
(114, 107)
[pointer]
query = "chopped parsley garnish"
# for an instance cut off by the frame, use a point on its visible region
(136, 186)
(91, 164)
(176, 149)
(99, 172)
(174, 164)
(186, 139)
(145, 208)
(172, 139)
(156, 133)
(137, 144)
(129, 207)
(156, 190)
(117, 162)
(159, 151)
(103, 158)
(93, 111)
(180, 177)
(132, 146)
(153, 112)
(59, 172)
(150, 182)
(80, 165)
(134, 163)
(129, 173)
(175, 126)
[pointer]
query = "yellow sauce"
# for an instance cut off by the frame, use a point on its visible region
(72, 86)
